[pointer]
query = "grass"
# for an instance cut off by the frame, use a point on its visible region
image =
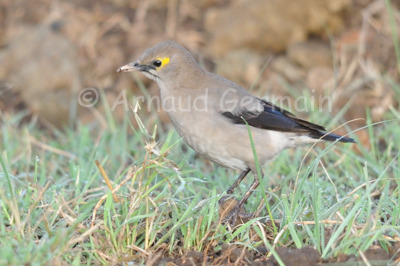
(55, 206)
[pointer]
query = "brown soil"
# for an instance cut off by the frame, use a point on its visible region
(89, 40)
(234, 254)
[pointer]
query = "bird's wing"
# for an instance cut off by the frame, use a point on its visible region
(270, 116)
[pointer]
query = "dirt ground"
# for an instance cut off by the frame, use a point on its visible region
(235, 255)
(231, 254)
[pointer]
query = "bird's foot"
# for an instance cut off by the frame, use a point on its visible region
(235, 217)
(231, 213)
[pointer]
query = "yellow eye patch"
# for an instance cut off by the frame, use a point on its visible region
(164, 61)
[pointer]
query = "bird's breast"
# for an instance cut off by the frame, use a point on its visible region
(201, 125)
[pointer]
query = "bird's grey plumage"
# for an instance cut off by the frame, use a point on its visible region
(208, 111)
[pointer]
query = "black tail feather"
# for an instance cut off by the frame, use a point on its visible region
(330, 137)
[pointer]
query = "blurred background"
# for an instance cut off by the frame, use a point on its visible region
(51, 50)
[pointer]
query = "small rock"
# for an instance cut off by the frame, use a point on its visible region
(264, 25)
(41, 65)
(304, 256)
(310, 54)
(376, 254)
(288, 69)
(241, 66)
(320, 80)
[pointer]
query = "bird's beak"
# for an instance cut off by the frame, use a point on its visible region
(129, 67)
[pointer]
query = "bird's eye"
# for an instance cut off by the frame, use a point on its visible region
(157, 63)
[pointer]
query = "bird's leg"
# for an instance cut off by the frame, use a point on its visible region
(234, 186)
(227, 203)
(237, 182)
(253, 186)
(232, 217)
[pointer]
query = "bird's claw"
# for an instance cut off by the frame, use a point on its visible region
(231, 212)
(236, 217)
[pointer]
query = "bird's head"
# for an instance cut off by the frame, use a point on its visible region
(164, 62)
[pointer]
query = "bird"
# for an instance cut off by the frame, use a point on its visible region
(216, 117)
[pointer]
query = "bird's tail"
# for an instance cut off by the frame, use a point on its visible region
(330, 137)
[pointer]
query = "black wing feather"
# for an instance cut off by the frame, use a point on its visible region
(278, 119)
(273, 118)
